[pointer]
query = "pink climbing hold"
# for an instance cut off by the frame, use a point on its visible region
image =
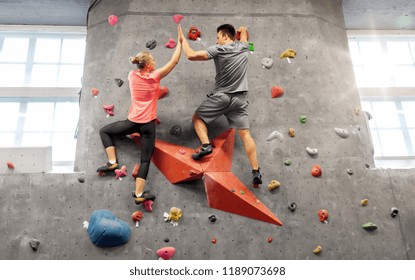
(10, 165)
(171, 43)
(120, 172)
(166, 253)
(277, 92)
(177, 18)
(109, 109)
(148, 205)
(112, 20)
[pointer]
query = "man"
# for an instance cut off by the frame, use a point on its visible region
(229, 96)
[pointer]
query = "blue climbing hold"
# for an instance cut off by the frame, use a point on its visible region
(106, 230)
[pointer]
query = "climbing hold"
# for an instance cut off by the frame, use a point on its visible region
(357, 111)
(174, 216)
(323, 214)
(166, 240)
(166, 253)
(120, 172)
(135, 170)
(106, 230)
(182, 151)
(316, 170)
(151, 44)
(251, 47)
(119, 82)
(238, 35)
(364, 202)
(34, 244)
(212, 218)
(292, 206)
(269, 239)
(394, 212)
(177, 18)
(288, 53)
(175, 130)
(317, 250)
(267, 62)
(163, 91)
(94, 91)
(311, 152)
(341, 132)
(112, 20)
(273, 185)
(109, 109)
(81, 180)
(349, 171)
(148, 205)
(275, 135)
(10, 165)
(171, 43)
(193, 33)
(137, 216)
(303, 119)
(287, 162)
(214, 240)
(291, 132)
(157, 121)
(277, 92)
(242, 192)
(369, 226)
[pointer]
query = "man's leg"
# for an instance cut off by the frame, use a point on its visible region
(202, 133)
(250, 149)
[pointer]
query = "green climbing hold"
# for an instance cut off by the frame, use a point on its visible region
(369, 226)
(287, 162)
(242, 192)
(251, 46)
(303, 119)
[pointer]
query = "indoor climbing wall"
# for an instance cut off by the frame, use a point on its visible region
(305, 116)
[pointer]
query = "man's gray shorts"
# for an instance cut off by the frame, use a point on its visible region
(233, 105)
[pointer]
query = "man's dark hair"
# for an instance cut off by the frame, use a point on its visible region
(227, 29)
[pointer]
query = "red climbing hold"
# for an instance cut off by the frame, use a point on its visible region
(277, 92)
(10, 165)
(120, 172)
(269, 239)
(112, 20)
(163, 91)
(214, 240)
(177, 18)
(316, 170)
(135, 170)
(323, 215)
(94, 91)
(109, 109)
(166, 253)
(158, 121)
(137, 216)
(194, 33)
(238, 35)
(171, 43)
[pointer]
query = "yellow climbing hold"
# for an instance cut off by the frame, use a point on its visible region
(274, 184)
(364, 202)
(317, 250)
(290, 53)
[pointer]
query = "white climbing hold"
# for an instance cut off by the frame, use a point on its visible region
(267, 62)
(86, 224)
(275, 135)
(341, 132)
(311, 152)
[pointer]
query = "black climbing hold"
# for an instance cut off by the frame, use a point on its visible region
(175, 130)
(34, 243)
(394, 212)
(151, 44)
(166, 240)
(119, 82)
(212, 218)
(81, 180)
(292, 206)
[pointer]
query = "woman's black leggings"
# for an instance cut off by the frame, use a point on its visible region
(148, 139)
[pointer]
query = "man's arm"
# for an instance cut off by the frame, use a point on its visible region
(190, 53)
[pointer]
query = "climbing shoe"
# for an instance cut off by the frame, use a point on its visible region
(108, 167)
(146, 195)
(256, 178)
(206, 149)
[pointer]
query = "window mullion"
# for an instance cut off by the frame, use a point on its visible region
(29, 61)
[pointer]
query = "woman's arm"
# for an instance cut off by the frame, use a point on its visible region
(166, 69)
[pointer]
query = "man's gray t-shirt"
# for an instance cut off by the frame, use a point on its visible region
(231, 63)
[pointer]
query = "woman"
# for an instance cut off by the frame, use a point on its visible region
(144, 87)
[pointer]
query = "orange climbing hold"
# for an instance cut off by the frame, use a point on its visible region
(323, 214)
(10, 165)
(94, 91)
(137, 216)
(277, 92)
(194, 33)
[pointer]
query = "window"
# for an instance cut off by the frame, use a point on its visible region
(40, 78)
(384, 67)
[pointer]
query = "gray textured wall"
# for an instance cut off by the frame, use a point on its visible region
(318, 83)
